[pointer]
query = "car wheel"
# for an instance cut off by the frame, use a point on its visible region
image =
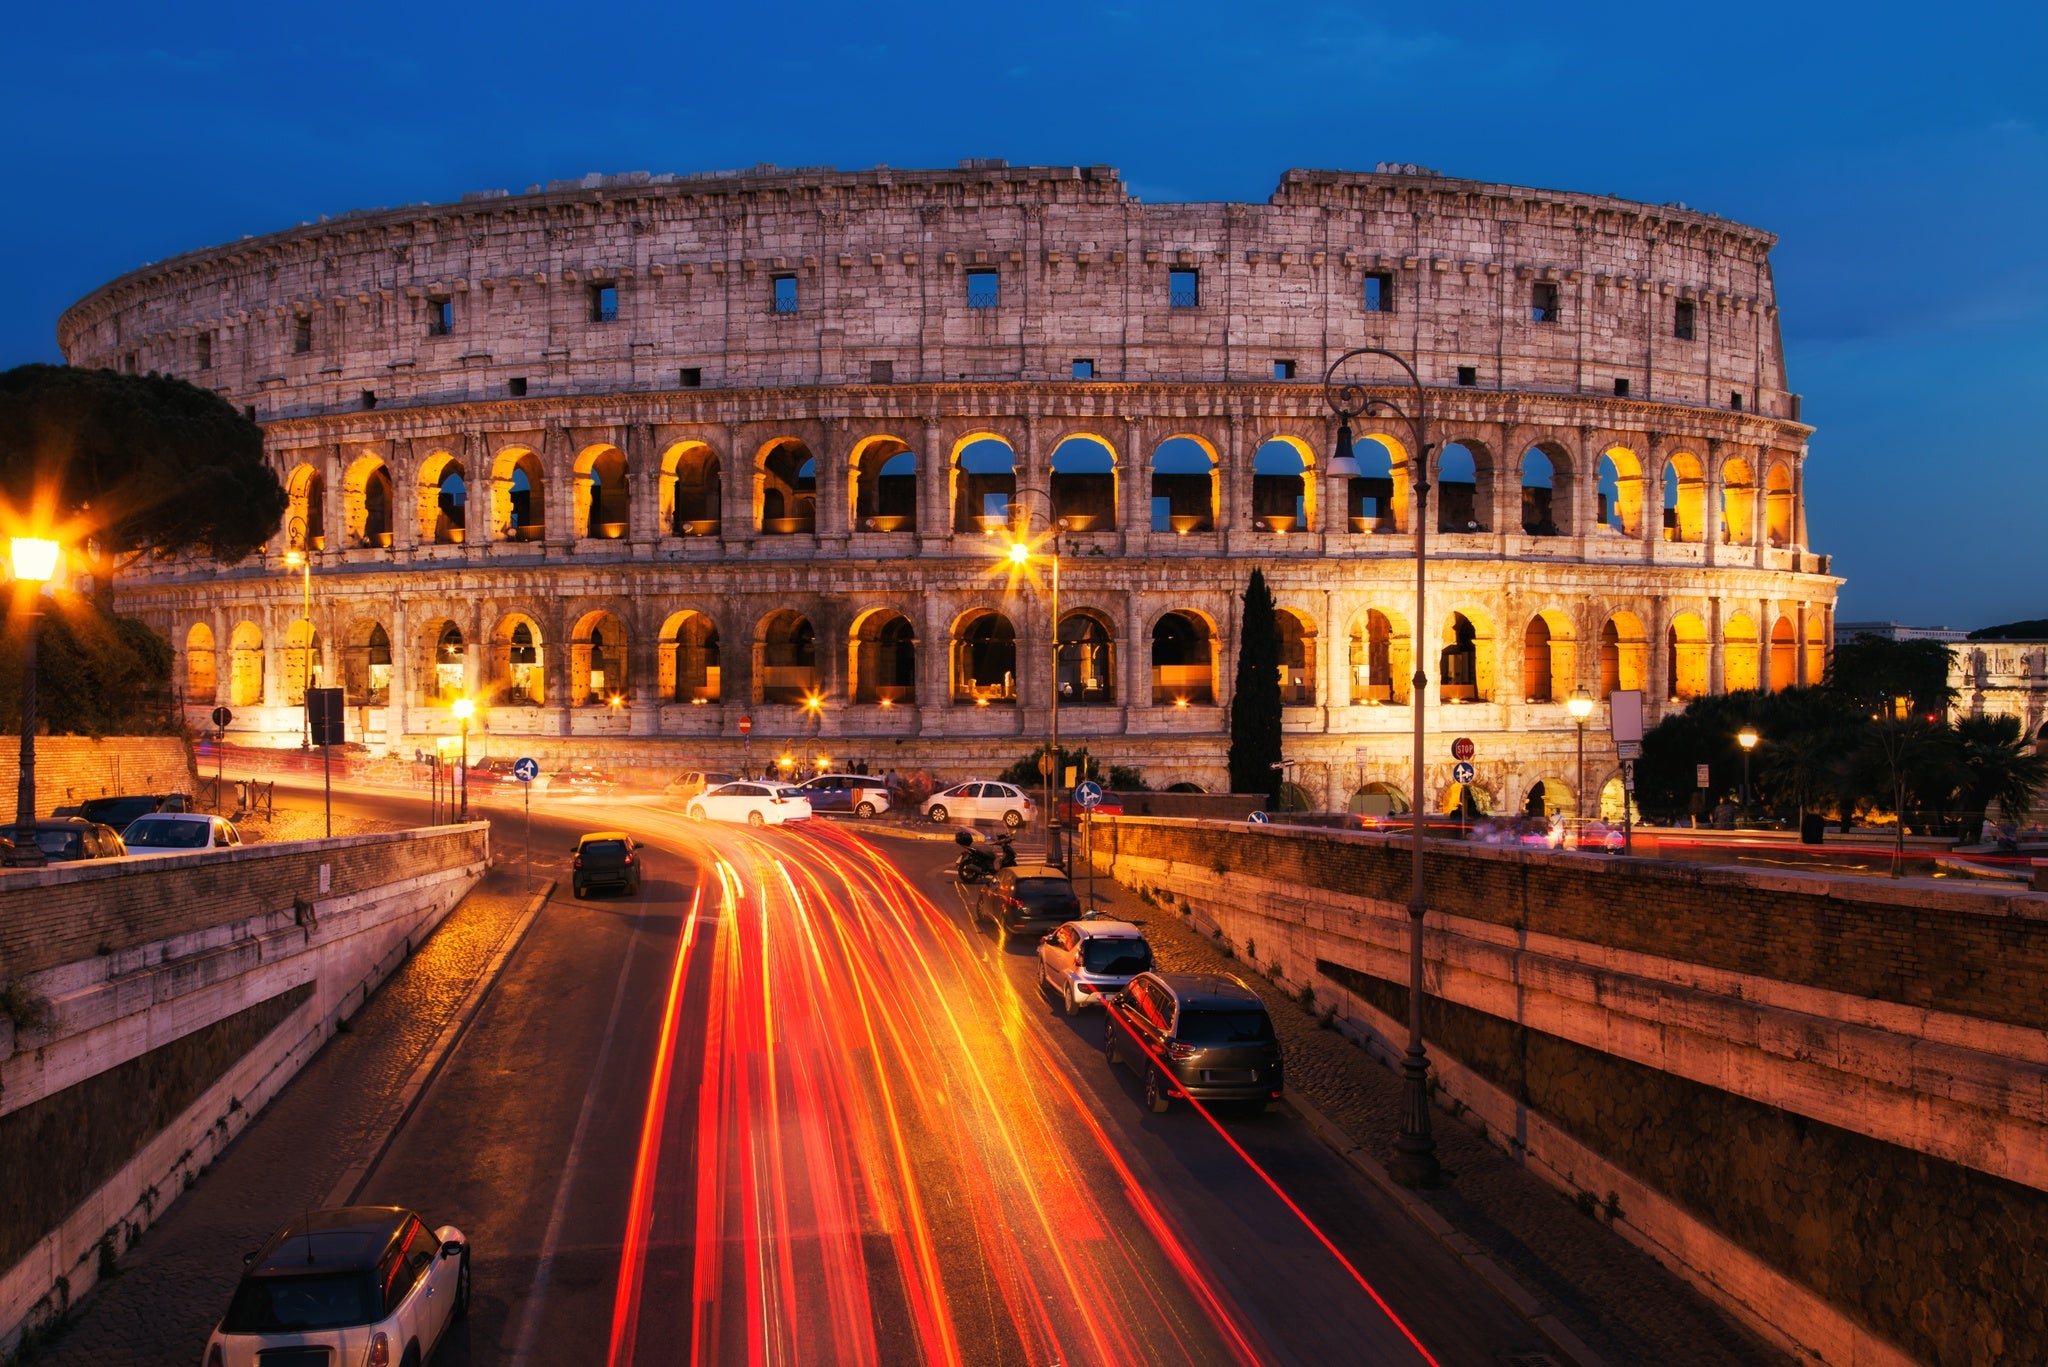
(579, 890)
(412, 1356)
(865, 809)
(697, 813)
(1071, 999)
(1014, 820)
(1109, 1042)
(461, 1308)
(938, 815)
(756, 820)
(1156, 1099)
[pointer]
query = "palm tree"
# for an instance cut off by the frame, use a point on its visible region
(1997, 765)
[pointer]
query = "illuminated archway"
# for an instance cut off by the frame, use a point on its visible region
(598, 655)
(1382, 659)
(202, 677)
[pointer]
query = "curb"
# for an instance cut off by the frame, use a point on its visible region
(357, 1173)
(1460, 1246)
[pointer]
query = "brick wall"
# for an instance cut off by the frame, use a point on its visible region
(70, 769)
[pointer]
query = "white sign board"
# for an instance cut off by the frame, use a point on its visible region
(1625, 716)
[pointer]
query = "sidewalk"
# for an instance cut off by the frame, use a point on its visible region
(174, 1285)
(1616, 1299)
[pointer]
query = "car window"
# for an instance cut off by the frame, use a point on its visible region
(60, 844)
(398, 1271)
(1043, 891)
(1209, 1025)
(159, 834)
(604, 851)
(421, 1248)
(302, 1305)
(1124, 956)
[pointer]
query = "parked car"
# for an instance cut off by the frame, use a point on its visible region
(757, 804)
(492, 773)
(581, 778)
(179, 833)
(977, 801)
(1200, 1035)
(63, 840)
(1071, 814)
(856, 793)
(694, 781)
(1086, 961)
(606, 859)
(119, 811)
(1028, 895)
(364, 1284)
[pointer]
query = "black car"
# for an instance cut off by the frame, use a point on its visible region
(119, 811)
(1029, 895)
(1200, 1035)
(66, 839)
(606, 859)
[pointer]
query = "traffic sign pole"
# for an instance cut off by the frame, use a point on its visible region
(526, 770)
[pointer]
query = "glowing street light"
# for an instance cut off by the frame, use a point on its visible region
(1747, 739)
(464, 709)
(35, 564)
(1580, 705)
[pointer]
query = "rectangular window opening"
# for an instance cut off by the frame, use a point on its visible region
(984, 289)
(516, 386)
(1468, 375)
(1283, 370)
(1682, 320)
(369, 398)
(1379, 292)
(1543, 302)
(249, 411)
(1621, 389)
(604, 303)
(881, 372)
(1184, 288)
(1735, 400)
(1084, 369)
(693, 377)
(440, 317)
(302, 334)
(785, 294)
(206, 351)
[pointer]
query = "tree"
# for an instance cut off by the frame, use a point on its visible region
(1995, 764)
(1255, 697)
(96, 674)
(127, 465)
(1871, 673)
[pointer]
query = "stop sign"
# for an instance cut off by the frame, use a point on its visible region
(1461, 748)
(746, 726)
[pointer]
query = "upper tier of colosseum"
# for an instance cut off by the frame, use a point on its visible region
(986, 273)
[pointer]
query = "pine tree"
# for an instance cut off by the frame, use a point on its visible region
(1255, 698)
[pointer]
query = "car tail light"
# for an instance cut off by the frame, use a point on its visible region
(1084, 987)
(380, 1352)
(579, 862)
(629, 858)
(1177, 1050)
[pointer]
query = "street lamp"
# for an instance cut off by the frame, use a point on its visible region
(298, 556)
(464, 709)
(35, 562)
(1020, 556)
(1580, 705)
(1747, 739)
(1415, 1160)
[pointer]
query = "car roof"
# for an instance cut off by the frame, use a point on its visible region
(348, 1239)
(176, 816)
(1105, 930)
(1209, 990)
(1039, 871)
(601, 835)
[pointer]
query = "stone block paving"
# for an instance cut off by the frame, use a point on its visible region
(1618, 1300)
(174, 1285)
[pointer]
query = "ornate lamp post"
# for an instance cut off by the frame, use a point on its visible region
(35, 561)
(1747, 739)
(1580, 705)
(1020, 556)
(464, 709)
(1415, 1160)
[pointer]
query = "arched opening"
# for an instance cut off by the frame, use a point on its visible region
(1548, 797)
(1685, 498)
(368, 495)
(884, 486)
(1549, 658)
(690, 671)
(518, 507)
(1621, 491)
(603, 502)
(1297, 659)
(443, 500)
(306, 517)
(447, 674)
(1087, 665)
(1183, 486)
(694, 490)
(202, 677)
(1816, 645)
(1457, 489)
(1465, 662)
(366, 665)
(1283, 490)
(1741, 662)
(1615, 802)
(1378, 799)
(1624, 655)
(1685, 644)
(1084, 484)
(301, 664)
(245, 666)
(1778, 506)
(984, 484)
(1784, 655)
(1183, 661)
(788, 646)
(518, 677)
(884, 659)
(1376, 502)
(1738, 502)
(787, 484)
(1546, 492)
(597, 662)
(1466, 800)
(984, 659)
(1382, 659)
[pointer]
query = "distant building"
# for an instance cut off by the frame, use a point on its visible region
(2003, 679)
(1846, 632)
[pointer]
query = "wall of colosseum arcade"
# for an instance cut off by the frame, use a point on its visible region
(629, 459)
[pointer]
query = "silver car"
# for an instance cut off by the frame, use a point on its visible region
(1085, 961)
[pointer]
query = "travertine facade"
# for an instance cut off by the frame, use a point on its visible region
(634, 457)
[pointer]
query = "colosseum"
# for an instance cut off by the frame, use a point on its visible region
(630, 459)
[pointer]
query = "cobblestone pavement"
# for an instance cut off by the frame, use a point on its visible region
(174, 1285)
(290, 823)
(1622, 1303)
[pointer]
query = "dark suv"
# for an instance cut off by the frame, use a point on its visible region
(1210, 1035)
(606, 859)
(119, 811)
(1033, 895)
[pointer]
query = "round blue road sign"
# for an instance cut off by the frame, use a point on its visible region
(1257, 818)
(1088, 794)
(525, 770)
(1461, 773)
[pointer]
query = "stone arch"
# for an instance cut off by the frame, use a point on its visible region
(367, 497)
(884, 488)
(1784, 655)
(1184, 658)
(1548, 797)
(1464, 478)
(1816, 645)
(692, 494)
(785, 658)
(1685, 498)
(1620, 491)
(1183, 485)
(1465, 663)
(299, 669)
(882, 659)
(602, 494)
(984, 658)
(518, 496)
(202, 671)
(518, 662)
(1778, 505)
(306, 511)
(1738, 502)
(1382, 658)
(984, 470)
(1546, 490)
(1298, 660)
(1741, 659)
(1083, 479)
(599, 655)
(446, 652)
(366, 663)
(1549, 658)
(1284, 485)
(1624, 655)
(245, 665)
(1685, 644)
(443, 500)
(785, 488)
(1469, 800)
(1087, 659)
(691, 671)
(1615, 801)
(1377, 499)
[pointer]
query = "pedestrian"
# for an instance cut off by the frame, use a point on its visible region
(893, 786)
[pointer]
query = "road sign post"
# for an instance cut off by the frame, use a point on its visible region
(1088, 796)
(326, 727)
(221, 718)
(747, 747)
(526, 771)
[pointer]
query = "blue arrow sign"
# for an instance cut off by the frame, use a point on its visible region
(1088, 794)
(1461, 773)
(526, 770)
(1257, 818)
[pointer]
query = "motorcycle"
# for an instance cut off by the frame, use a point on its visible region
(977, 865)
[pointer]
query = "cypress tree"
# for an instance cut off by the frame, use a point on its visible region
(1255, 698)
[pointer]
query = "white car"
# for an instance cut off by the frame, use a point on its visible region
(1004, 802)
(757, 804)
(1085, 961)
(364, 1284)
(179, 833)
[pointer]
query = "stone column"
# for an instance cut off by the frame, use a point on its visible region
(643, 676)
(558, 471)
(1717, 649)
(1799, 644)
(643, 486)
(1658, 674)
(1133, 483)
(934, 667)
(1232, 486)
(404, 469)
(1714, 490)
(934, 491)
(835, 480)
(399, 696)
(1330, 691)
(1136, 685)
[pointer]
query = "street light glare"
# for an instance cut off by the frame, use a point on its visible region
(464, 709)
(34, 557)
(1579, 705)
(1020, 554)
(1747, 737)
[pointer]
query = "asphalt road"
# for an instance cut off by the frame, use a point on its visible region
(790, 1105)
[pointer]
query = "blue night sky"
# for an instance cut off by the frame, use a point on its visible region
(1900, 152)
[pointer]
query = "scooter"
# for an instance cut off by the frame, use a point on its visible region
(976, 865)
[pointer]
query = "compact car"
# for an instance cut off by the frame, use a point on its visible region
(1200, 1035)
(179, 833)
(63, 840)
(757, 804)
(606, 859)
(978, 801)
(1032, 895)
(691, 782)
(857, 793)
(1084, 962)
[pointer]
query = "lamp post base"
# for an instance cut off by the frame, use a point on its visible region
(1414, 1163)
